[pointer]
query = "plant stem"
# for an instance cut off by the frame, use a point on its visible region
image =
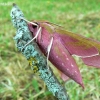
(33, 54)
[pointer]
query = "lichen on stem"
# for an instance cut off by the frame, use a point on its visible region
(33, 54)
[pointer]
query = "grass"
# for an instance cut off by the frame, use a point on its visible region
(17, 81)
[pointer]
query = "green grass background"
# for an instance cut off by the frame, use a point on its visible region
(17, 81)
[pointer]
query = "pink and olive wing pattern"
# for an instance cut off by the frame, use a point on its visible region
(61, 58)
(77, 45)
(92, 61)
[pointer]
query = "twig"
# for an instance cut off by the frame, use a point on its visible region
(33, 54)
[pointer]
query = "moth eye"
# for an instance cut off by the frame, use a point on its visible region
(34, 26)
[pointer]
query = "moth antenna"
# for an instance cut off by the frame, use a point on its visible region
(49, 48)
(37, 34)
(29, 22)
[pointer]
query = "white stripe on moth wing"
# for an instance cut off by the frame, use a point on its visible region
(37, 34)
(49, 48)
(86, 56)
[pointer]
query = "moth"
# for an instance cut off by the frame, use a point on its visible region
(60, 46)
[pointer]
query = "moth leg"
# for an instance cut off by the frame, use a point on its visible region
(37, 34)
(49, 48)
